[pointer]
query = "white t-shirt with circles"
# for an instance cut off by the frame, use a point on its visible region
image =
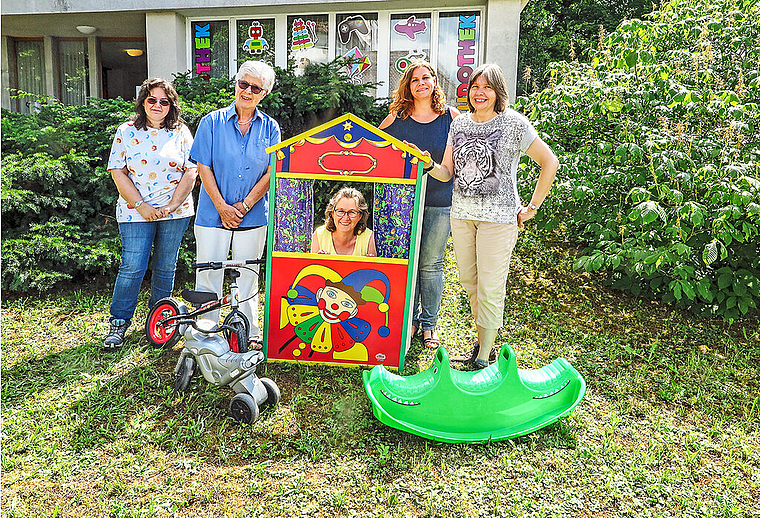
(156, 160)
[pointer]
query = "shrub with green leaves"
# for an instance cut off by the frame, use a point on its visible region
(58, 199)
(658, 140)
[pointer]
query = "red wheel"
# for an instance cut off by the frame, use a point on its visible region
(239, 339)
(160, 335)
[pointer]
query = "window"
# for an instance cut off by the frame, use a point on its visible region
(73, 72)
(356, 40)
(30, 73)
(255, 41)
(211, 48)
(450, 40)
(410, 41)
(307, 40)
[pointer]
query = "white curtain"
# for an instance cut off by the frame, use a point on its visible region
(72, 61)
(30, 65)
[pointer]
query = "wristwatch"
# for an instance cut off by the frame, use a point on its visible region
(532, 205)
(429, 168)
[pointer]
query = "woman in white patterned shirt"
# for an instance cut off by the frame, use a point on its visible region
(150, 165)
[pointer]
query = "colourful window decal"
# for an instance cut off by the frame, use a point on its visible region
(211, 56)
(255, 40)
(307, 40)
(459, 31)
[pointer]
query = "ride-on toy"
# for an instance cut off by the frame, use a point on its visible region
(219, 352)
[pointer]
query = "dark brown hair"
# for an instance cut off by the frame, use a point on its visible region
(403, 101)
(495, 79)
(361, 204)
(172, 119)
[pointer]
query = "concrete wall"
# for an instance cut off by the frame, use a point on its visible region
(5, 78)
(502, 37)
(167, 45)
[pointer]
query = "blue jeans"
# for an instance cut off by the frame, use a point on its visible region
(137, 239)
(436, 226)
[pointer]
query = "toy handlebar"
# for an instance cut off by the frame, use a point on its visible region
(217, 265)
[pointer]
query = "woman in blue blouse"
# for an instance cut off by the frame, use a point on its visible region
(233, 205)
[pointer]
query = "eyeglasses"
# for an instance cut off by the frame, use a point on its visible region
(351, 213)
(244, 85)
(163, 102)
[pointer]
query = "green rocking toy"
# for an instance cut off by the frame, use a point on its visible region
(496, 403)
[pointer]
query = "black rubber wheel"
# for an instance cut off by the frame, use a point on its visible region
(239, 339)
(273, 391)
(185, 374)
(243, 408)
(159, 335)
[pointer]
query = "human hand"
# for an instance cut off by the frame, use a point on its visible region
(230, 215)
(148, 212)
(524, 215)
(426, 154)
(239, 206)
(166, 210)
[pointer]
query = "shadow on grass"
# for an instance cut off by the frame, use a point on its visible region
(31, 376)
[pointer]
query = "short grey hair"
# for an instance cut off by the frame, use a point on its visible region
(259, 70)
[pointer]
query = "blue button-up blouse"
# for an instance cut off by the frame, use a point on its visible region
(238, 162)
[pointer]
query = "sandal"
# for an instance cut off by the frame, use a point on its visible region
(471, 356)
(480, 364)
(432, 341)
(468, 356)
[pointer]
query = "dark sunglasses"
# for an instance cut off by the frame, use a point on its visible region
(244, 85)
(162, 102)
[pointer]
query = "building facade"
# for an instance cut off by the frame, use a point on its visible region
(71, 49)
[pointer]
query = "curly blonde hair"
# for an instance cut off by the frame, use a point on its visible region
(361, 204)
(403, 102)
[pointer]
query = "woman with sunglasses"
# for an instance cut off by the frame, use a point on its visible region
(419, 115)
(345, 230)
(150, 165)
(233, 206)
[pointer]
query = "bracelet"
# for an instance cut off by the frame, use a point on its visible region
(138, 204)
(532, 205)
(428, 169)
(246, 207)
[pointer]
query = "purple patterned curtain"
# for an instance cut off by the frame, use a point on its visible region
(394, 206)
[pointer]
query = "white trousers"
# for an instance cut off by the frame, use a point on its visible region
(213, 244)
(483, 251)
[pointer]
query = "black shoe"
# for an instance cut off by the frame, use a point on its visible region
(115, 338)
(472, 355)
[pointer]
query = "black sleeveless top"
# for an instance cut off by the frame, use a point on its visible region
(428, 136)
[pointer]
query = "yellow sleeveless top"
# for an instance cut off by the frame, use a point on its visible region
(324, 238)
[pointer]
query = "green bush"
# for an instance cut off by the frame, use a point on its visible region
(58, 199)
(297, 102)
(657, 136)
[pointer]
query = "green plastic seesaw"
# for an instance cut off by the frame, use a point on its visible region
(496, 403)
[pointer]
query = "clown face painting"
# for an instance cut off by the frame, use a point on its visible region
(335, 305)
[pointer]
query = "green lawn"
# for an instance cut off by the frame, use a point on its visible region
(668, 427)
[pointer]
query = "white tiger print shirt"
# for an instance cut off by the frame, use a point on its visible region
(486, 155)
